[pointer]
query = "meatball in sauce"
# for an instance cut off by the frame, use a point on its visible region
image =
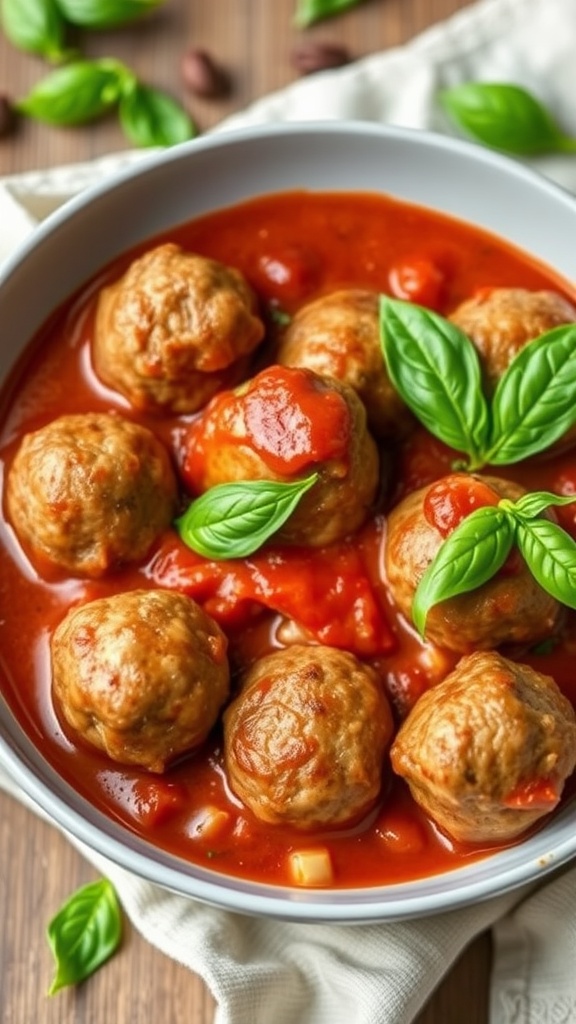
(91, 491)
(486, 753)
(501, 321)
(282, 425)
(338, 335)
(174, 330)
(140, 675)
(511, 608)
(305, 739)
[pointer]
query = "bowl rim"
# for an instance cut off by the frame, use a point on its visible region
(500, 871)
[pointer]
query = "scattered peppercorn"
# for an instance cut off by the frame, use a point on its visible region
(202, 76)
(309, 56)
(7, 116)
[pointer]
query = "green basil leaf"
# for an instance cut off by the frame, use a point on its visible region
(150, 117)
(534, 403)
(234, 520)
(550, 554)
(105, 13)
(309, 11)
(533, 504)
(505, 117)
(85, 932)
(436, 370)
(35, 26)
(75, 93)
(469, 557)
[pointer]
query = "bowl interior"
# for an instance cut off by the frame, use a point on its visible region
(211, 173)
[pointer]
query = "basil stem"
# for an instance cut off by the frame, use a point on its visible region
(234, 520)
(533, 404)
(35, 26)
(105, 13)
(76, 93)
(474, 552)
(469, 557)
(310, 11)
(436, 370)
(150, 117)
(85, 932)
(507, 117)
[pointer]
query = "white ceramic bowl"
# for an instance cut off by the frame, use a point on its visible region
(457, 178)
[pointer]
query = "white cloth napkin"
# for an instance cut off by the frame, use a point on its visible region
(266, 972)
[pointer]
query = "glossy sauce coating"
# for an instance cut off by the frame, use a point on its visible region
(291, 249)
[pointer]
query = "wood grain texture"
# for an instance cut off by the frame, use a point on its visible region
(253, 40)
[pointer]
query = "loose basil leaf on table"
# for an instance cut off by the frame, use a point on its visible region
(84, 933)
(150, 117)
(35, 26)
(105, 13)
(310, 11)
(507, 117)
(469, 557)
(436, 369)
(76, 93)
(234, 520)
(474, 552)
(534, 405)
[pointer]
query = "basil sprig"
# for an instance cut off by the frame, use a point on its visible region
(150, 117)
(84, 933)
(474, 552)
(310, 11)
(234, 520)
(75, 93)
(87, 89)
(35, 26)
(507, 117)
(105, 13)
(435, 368)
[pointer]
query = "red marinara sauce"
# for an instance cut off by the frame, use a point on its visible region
(292, 248)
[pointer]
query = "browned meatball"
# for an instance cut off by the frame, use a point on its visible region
(174, 330)
(509, 608)
(338, 336)
(282, 425)
(90, 491)
(500, 322)
(140, 675)
(305, 739)
(486, 752)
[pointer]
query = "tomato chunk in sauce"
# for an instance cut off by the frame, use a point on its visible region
(291, 248)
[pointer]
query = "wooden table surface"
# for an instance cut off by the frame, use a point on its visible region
(254, 41)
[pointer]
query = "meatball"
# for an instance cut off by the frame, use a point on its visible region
(140, 675)
(338, 336)
(174, 330)
(487, 751)
(282, 425)
(509, 608)
(90, 491)
(304, 741)
(501, 321)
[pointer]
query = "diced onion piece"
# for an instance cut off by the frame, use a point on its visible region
(210, 822)
(311, 867)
